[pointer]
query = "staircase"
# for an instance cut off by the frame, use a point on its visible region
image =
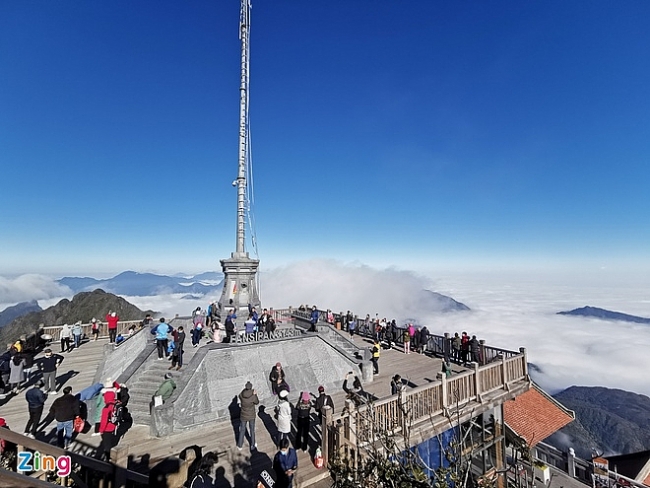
(152, 373)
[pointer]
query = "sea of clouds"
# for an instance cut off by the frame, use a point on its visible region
(508, 310)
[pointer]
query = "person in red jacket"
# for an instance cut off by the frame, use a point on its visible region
(107, 426)
(112, 318)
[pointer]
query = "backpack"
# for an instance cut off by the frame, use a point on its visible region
(123, 396)
(116, 414)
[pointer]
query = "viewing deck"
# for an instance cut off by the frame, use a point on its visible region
(430, 397)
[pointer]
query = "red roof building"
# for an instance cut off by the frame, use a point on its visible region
(535, 415)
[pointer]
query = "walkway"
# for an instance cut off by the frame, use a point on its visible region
(236, 468)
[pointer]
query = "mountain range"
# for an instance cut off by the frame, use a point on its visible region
(601, 313)
(11, 313)
(131, 283)
(608, 420)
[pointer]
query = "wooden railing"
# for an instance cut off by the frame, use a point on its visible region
(113, 475)
(86, 329)
(355, 427)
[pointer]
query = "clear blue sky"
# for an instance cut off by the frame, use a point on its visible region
(383, 132)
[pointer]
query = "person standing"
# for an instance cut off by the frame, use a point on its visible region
(49, 364)
(197, 331)
(64, 410)
(112, 319)
(285, 464)
(397, 385)
(322, 401)
(464, 347)
(35, 403)
(161, 331)
(177, 353)
(248, 399)
(276, 377)
(424, 339)
(108, 426)
(407, 341)
(284, 416)
(76, 334)
(94, 327)
(17, 375)
(376, 349)
(65, 335)
(456, 344)
(230, 325)
(313, 319)
(352, 327)
(5, 368)
(475, 349)
(303, 407)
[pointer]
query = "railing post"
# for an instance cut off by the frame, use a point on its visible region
(324, 441)
(446, 347)
(477, 382)
(504, 370)
(443, 381)
(571, 462)
(522, 350)
(482, 360)
(120, 457)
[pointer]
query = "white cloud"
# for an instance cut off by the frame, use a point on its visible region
(30, 287)
(508, 311)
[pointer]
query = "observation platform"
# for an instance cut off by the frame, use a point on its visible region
(309, 359)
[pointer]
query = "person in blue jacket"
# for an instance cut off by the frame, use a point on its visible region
(313, 319)
(285, 464)
(161, 331)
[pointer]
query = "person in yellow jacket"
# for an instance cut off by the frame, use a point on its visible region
(376, 349)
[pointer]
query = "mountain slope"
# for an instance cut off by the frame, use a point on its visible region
(15, 311)
(83, 306)
(610, 420)
(601, 313)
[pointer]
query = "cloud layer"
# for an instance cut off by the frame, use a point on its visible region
(508, 311)
(30, 287)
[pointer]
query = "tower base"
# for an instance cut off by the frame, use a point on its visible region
(239, 287)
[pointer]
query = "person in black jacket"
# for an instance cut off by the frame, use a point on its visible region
(5, 368)
(35, 403)
(48, 364)
(64, 410)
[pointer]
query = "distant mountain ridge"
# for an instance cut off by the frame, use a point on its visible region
(83, 306)
(11, 313)
(601, 313)
(131, 283)
(609, 420)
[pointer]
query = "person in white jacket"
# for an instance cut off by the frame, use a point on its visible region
(66, 333)
(284, 416)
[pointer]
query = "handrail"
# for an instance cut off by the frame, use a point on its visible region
(423, 402)
(107, 469)
(86, 329)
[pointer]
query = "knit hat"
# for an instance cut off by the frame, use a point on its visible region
(279, 365)
(249, 385)
(321, 389)
(168, 376)
(304, 396)
(283, 394)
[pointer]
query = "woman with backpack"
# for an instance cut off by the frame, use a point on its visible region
(108, 426)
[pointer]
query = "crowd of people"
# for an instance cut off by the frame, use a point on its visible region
(295, 421)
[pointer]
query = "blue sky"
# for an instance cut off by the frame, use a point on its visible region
(416, 134)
